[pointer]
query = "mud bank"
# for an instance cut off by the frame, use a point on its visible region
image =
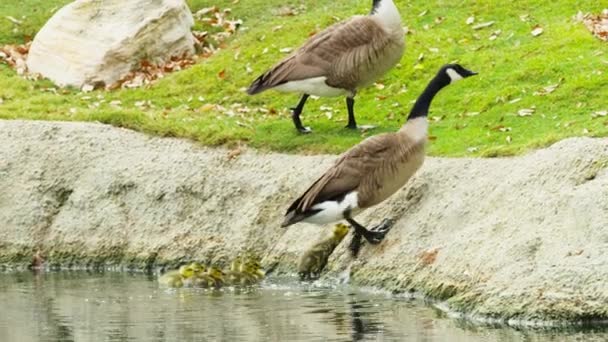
(521, 239)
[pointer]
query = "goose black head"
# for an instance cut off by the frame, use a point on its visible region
(455, 72)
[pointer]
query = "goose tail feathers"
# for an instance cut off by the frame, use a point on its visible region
(258, 85)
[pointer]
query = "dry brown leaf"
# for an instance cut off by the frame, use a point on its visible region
(222, 74)
(597, 24)
(547, 90)
(428, 257)
(235, 153)
(207, 45)
(537, 31)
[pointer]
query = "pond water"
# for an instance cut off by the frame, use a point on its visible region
(81, 306)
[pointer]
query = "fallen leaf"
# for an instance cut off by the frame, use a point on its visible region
(546, 90)
(423, 13)
(600, 113)
(222, 74)
(13, 20)
(537, 31)
(286, 50)
(87, 88)
(379, 85)
(515, 100)
(470, 20)
(234, 153)
(495, 34)
(428, 257)
(575, 253)
(508, 139)
(483, 25)
(597, 24)
(526, 111)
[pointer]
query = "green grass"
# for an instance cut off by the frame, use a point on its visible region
(513, 66)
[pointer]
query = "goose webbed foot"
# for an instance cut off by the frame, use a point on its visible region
(355, 244)
(373, 236)
(384, 226)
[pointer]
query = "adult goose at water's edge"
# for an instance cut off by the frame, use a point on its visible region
(340, 59)
(372, 170)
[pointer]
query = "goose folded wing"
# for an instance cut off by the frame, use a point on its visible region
(347, 174)
(347, 43)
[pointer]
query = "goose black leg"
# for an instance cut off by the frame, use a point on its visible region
(373, 236)
(295, 115)
(350, 104)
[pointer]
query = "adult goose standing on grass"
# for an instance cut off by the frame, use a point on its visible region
(373, 170)
(340, 59)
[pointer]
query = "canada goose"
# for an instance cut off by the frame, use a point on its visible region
(340, 59)
(313, 261)
(373, 170)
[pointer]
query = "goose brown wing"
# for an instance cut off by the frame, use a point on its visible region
(345, 42)
(347, 173)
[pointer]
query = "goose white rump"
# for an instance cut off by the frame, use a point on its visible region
(313, 86)
(332, 211)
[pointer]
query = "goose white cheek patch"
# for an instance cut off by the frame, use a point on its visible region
(454, 76)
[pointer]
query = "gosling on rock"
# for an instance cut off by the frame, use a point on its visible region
(314, 260)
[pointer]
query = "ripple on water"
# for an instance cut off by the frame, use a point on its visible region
(81, 306)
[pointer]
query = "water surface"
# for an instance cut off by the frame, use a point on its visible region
(81, 306)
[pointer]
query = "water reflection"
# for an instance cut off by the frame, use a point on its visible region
(121, 307)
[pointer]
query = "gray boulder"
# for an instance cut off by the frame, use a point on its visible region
(97, 42)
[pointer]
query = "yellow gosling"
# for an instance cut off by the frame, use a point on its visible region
(176, 278)
(315, 259)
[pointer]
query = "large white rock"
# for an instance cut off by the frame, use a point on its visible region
(96, 42)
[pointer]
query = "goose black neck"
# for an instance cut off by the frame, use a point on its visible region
(421, 107)
(375, 5)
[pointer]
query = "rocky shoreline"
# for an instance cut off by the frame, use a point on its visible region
(513, 240)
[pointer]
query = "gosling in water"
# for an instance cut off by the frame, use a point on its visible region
(315, 259)
(176, 278)
(251, 272)
(213, 278)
